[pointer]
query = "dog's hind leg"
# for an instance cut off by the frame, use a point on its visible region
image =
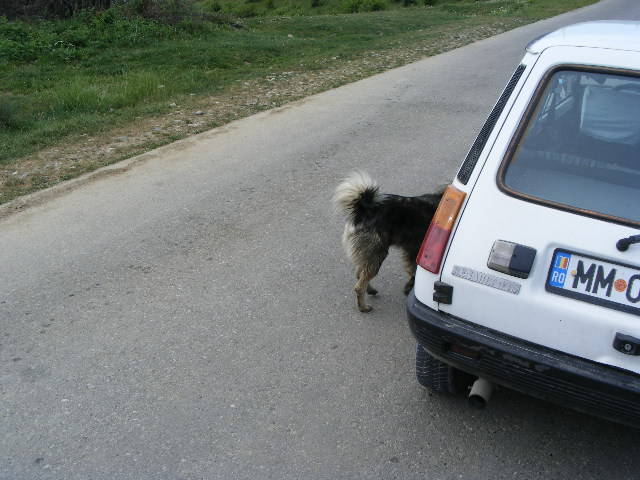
(365, 273)
(368, 252)
(362, 285)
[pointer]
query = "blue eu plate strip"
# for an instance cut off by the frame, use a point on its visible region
(558, 274)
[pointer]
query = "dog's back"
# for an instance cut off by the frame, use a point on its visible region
(359, 197)
(405, 219)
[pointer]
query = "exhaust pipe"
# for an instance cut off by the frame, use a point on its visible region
(480, 393)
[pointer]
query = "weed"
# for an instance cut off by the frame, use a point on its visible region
(39, 181)
(15, 112)
(14, 181)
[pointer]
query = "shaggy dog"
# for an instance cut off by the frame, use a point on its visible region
(377, 221)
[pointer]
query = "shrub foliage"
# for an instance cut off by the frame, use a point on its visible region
(49, 8)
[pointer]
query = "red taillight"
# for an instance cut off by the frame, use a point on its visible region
(435, 241)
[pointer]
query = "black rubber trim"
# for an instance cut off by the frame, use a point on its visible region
(569, 381)
(474, 154)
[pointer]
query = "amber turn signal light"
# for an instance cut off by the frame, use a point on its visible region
(435, 241)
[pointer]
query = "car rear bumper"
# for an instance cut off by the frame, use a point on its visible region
(548, 374)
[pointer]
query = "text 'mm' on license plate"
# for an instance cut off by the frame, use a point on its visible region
(593, 280)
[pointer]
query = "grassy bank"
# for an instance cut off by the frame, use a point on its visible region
(100, 76)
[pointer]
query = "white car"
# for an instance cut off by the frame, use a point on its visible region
(529, 274)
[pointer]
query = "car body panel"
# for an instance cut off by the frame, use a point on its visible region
(485, 296)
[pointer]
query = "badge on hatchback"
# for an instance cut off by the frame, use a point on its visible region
(594, 280)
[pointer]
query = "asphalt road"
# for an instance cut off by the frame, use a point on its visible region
(192, 316)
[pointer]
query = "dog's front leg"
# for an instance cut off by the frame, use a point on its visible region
(410, 268)
(409, 285)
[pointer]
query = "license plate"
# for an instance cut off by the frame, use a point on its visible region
(594, 280)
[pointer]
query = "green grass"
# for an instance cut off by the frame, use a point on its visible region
(61, 79)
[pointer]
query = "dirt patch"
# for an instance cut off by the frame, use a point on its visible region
(70, 160)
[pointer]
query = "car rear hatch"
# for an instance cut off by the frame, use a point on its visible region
(534, 253)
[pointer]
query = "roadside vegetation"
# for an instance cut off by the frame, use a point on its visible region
(84, 84)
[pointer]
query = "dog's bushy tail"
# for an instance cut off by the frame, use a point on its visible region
(357, 194)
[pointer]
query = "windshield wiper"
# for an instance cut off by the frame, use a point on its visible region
(623, 243)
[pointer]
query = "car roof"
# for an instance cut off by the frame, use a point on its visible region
(610, 34)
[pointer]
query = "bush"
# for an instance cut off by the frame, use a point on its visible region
(355, 6)
(17, 42)
(79, 37)
(374, 5)
(49, 8)
(165, 11)
(247, 10)
(351, 6)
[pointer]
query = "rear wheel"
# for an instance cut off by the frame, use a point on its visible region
(437, 376)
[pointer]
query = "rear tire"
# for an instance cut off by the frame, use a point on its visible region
(437, 376)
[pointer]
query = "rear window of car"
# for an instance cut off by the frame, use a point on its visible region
(580, 146)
